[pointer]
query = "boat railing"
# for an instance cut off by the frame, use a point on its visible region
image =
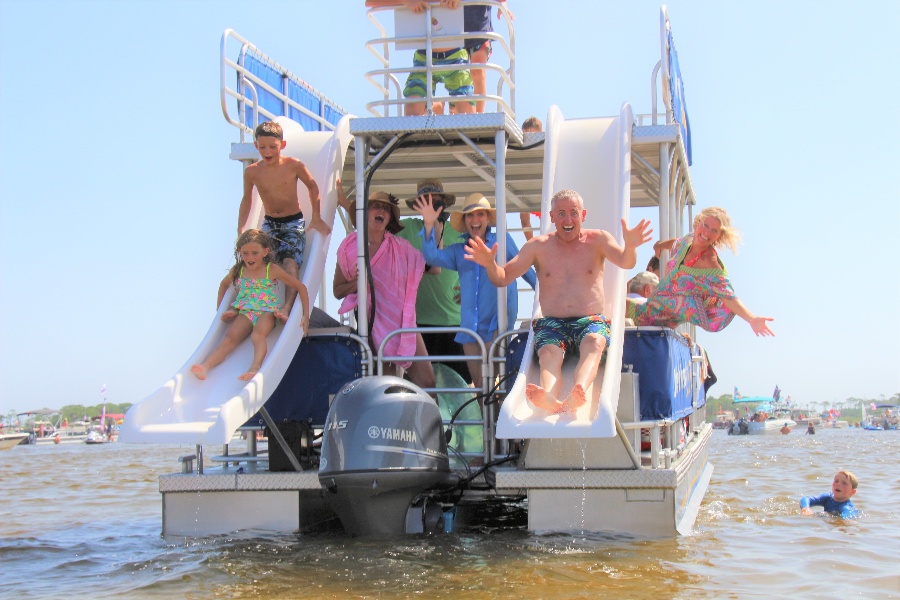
(387, 79)
(261, 90)
(487, 420)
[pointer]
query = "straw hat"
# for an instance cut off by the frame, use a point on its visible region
(394, 224)
(436, 189)
(474, 202)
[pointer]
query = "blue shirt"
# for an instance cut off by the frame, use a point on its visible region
(478, 296)
(843, 509)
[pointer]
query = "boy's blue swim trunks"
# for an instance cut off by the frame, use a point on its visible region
(289, 235)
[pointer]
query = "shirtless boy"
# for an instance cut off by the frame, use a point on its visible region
(275, 178)
(569, 264)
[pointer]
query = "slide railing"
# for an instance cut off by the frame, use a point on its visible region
(260, 90)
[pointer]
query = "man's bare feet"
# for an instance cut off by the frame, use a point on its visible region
(251, 372)
(199, 371)
(541, 399)
(576, 398)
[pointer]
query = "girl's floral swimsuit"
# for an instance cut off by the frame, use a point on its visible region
(256, 296)
(687, 295)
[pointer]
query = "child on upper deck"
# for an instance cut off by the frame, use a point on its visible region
(838, 501)
(458, 82)
(275, 178)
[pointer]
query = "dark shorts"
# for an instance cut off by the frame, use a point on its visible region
(568, 333)
(473, 46)
(289, 235)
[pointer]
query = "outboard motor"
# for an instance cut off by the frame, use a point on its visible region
(383, 447)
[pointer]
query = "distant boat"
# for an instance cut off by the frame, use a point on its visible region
(884, 417)
(8, 440)
(770, 415)
(95, 437)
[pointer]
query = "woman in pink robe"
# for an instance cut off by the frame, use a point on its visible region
(397, 268)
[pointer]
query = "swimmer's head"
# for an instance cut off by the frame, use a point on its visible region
(844, 486)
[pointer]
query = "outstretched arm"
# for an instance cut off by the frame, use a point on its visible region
(315, 200)
(758, 324)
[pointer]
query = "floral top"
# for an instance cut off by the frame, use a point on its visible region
(687, 295)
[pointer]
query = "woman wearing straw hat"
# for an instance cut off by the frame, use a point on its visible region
(397, 268)
(478, 295)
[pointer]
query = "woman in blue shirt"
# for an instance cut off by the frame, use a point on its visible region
(478, 296)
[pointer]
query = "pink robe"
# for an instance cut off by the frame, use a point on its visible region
(397, 269)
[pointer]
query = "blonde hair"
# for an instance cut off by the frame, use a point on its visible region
(729, 236)
(853, 480)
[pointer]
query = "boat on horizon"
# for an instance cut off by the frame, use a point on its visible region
(884, 418)
(770, 414)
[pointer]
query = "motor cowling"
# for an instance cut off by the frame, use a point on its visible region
(383, 446)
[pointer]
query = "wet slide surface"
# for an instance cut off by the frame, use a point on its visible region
(591, 156)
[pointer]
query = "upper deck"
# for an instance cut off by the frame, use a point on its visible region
(461, 148)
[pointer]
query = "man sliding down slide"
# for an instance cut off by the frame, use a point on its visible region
(569, 264)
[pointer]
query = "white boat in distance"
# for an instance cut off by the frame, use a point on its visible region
(770, 414)
(10, 440)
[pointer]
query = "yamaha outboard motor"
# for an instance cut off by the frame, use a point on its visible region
(383, 447)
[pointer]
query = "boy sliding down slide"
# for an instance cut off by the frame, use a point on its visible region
(275, 177)
(569, 263)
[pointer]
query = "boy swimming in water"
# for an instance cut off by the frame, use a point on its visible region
(838, 501)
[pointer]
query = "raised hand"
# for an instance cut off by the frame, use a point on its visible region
(478, 252)
(424, 205)
(637, 235)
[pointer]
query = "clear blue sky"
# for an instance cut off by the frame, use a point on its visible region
(119, 201)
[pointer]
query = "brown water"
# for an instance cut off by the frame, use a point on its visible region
(85, 521)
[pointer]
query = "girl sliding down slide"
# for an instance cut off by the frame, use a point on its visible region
(256, 305)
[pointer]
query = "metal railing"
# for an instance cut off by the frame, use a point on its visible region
(239, 83)
(390, 87)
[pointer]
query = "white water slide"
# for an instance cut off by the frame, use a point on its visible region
(592, 156)
(186, 410)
